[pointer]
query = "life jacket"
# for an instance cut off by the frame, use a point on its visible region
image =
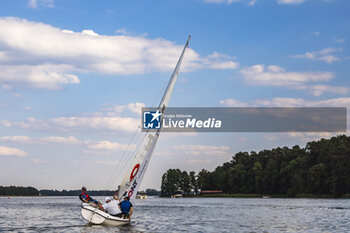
(125, 207)
(83, 196)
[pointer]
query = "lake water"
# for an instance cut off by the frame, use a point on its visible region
(62, 214)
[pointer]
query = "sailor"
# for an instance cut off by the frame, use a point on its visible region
(111, 206)
(84, 197)
(126, 208)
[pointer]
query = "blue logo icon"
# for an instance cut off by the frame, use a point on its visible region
(151, 119)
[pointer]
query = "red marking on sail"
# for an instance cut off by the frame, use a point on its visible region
(134, 172)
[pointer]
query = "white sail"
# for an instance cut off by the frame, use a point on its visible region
(138, 167)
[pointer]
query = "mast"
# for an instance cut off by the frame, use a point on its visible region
(138, 167)
(169, 90)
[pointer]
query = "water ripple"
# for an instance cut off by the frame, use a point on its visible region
(61, 214)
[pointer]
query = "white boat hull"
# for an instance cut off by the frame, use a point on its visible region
(95, 216)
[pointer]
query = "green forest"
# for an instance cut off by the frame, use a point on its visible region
(321, 169)
(18, 191)
(30, 191)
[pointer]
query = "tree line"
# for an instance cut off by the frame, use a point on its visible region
(321, 168)
(46, 192)
(18, 191)
(175, 180)
(31, 191)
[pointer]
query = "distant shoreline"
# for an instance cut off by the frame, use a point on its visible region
(19, 191)
(18, 196)
(240, 195)
(249, 196)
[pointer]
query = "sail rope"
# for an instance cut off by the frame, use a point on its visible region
(126, 158)
(118, 166)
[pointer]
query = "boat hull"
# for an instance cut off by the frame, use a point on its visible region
(97, 217)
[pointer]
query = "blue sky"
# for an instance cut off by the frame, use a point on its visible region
(74, 75)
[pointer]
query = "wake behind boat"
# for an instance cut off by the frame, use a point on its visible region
(133, 177)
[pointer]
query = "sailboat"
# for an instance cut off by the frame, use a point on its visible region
(138, 167)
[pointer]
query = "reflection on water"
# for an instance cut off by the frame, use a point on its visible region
(62, 214)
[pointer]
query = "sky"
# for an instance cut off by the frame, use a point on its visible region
(74, 75)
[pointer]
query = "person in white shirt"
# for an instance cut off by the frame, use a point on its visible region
(112, 206)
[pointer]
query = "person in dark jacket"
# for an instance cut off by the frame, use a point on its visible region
(126, 208)
(84, 197)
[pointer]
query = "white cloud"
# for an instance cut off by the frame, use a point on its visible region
(339, 40)
(39, 76)
(61, 140)
(300, 136)
(125, 124)
(198, 161)
(299, 102)
(10, 151)
(122, 31)
(219, 61)
(20, 139)
(318, 90)
(107, 145)
(277, 76)
(91, 146)
(88, 32)
(132, 107)
(39, 161)
(43, 140)
(222, 1)
(39, 55)
(232, 103)
(107, 162)
(312, 136)
(270, 137)
(292, 102)
(109, 119)
(252, 2)
(33, 4)
(79, 124)
(202, 149)
(45, 3)
(290, 1)
(322, 55)
(178, 135)
(242, 139)
(249, 2)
